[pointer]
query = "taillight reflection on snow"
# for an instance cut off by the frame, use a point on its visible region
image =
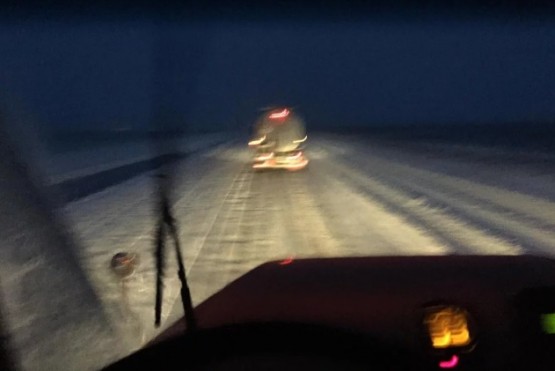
(286, 261)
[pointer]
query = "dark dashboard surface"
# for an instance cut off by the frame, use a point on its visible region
(505, 298)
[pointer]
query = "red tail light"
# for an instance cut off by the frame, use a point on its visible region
(279, 115)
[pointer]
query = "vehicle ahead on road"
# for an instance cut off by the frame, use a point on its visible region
(279, 139)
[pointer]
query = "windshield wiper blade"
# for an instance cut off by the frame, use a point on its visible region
(167, 227)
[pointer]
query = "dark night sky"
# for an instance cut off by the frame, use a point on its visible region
(372, 72)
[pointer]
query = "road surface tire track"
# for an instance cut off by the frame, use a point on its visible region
(526, 208)
(531, 233)
(450, 231)
(529, 209)
(140, 189)
(207, 268)
(305, 222)
(362, 225)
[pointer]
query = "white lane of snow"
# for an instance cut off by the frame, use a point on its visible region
(361, 224)
(122, 218)
(517, 214)
(465, 183)
(501, 169)
(54, 319)
(461, 237)
(517, 218)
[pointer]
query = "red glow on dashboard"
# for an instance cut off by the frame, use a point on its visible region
(452, 363)
(287, 261)
(279, 115)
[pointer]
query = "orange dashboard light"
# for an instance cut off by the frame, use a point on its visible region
(448, 327)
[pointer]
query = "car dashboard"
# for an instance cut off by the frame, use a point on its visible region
(438, 312)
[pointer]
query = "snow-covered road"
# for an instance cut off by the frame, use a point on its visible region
(357, 197)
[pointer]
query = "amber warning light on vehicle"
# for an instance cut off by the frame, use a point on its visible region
(448, 327)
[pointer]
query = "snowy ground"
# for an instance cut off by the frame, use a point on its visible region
(358, 197)
(47, 301)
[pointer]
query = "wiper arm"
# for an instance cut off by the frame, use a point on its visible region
(159, 256)
(167, 226)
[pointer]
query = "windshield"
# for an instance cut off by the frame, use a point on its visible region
(392, 133)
